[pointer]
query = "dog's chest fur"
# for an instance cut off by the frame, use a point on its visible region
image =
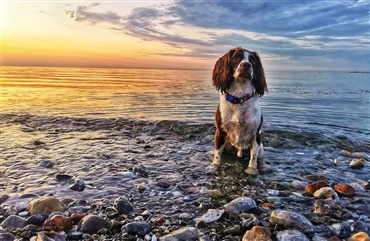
(240, 121)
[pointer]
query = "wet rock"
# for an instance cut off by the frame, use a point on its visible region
(210, 216)
(75, 235)
(45, 205)
(249, 221)
(342, 230)
(317, 237)
(240, 205)
(360, 155)
(357, 163)
(6, 236)
(37, 219)
(47, 236)
(313, 187)
(63, 177)
(345, 190)
(185, 216)
(58, 223)
(326, 193)
(142, 187)
(257, 233)
(114, 225)
(361, 236)
(79, 185)
(331, 208)
(123, 205)
(46, 164)
(360, 226)
(291, 235)
(3, 198)
(315, 178)
(92, 224)
(13, 222)
(233, 230)
(187, 233)
(290, 219)
(139, 228)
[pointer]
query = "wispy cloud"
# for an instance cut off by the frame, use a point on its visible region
(206, 29)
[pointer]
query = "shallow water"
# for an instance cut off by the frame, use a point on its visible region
(117, 129)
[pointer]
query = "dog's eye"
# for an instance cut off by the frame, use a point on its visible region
(236, 59)
(252, 60)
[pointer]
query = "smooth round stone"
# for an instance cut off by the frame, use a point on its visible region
(361, 236)
(92, 224)
(37, 219)
(313, 187)
(291, 235)
(45, 205)
(345, 190)
(63, 177)
(326, 193)
(136, 228)
(185, 216)
(79, 185)
(13, 222)
(357, 163)
(257, 233)
(240, 205)
(123, 205)
(292, 220)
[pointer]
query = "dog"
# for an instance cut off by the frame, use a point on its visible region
(240, 78)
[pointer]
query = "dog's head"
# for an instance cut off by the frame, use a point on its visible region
(239, 65)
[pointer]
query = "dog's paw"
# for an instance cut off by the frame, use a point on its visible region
(251, 171)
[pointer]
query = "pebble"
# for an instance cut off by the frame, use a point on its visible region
(58, 223)
(6, 236)
(249, 221)
(45, 205)
(357, 163)
(360, 155)
(211, 216)
(46, 164)
(187, 233)
(92, 224)
(292, 220)
(257, 233)
(326, 193)
(79, 185)
(240, 205)
(63, 177)
(185, 216)
(313, 187)
(37, 219)
(291, 235)
(361, 236)
(48, 236)
(331, 208)
(123, 205)
(136, 228)
(13, 222)
(344, 189)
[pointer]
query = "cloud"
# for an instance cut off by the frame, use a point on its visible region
(206, 29)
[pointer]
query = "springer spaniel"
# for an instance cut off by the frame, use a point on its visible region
(240, 78)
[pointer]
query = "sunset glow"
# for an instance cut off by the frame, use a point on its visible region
(178, 34)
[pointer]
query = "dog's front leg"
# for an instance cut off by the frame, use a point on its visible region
(219, 147)
(252, 166)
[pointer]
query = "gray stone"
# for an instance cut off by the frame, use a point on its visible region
(123, 205)
(92, 224)
(240, 205)
(46, 164)
(13, 222)
(210, 216)
(139, 228)
(187, 233)
(331, 208)
(6, 236)
(291, 235)
(292, 220)
(326, 193)
(79, 185)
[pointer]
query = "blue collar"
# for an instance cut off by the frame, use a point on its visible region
(236, 100)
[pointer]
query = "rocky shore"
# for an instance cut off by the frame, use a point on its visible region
(73, 179)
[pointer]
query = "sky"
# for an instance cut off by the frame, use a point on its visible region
(313, 35)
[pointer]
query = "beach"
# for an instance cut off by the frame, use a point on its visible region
(109, 143)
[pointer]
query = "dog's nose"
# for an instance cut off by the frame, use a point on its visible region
(246, 65)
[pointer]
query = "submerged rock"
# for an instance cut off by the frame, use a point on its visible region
(240, 205)
(257, 233)
(357, 163)
(331, 208)
(291, 235)
(188, 234)
(45, 205)
(290, 219)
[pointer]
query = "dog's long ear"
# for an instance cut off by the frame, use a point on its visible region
(259, 79)
(222, 75)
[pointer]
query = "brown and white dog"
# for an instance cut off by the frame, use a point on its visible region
(240, 78)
